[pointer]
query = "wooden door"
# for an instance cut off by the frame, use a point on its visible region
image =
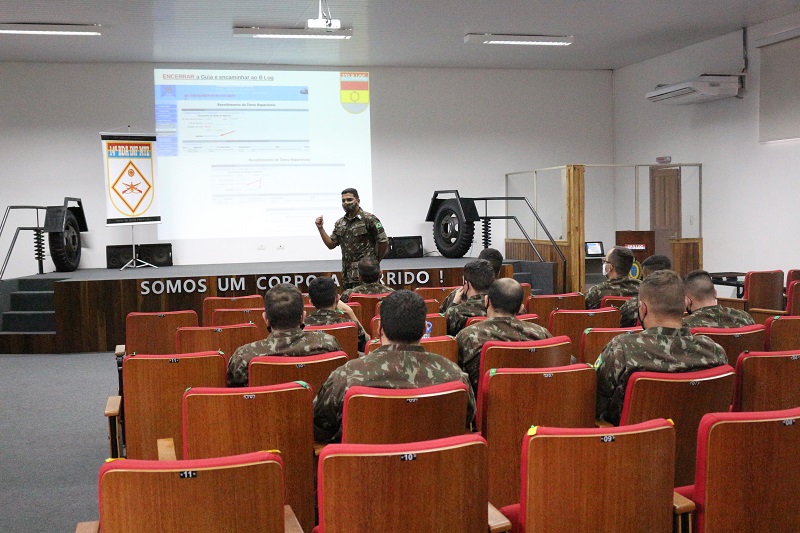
(665, 207)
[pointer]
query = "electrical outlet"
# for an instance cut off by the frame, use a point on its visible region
(281, 247)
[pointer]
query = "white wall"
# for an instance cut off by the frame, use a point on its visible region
(749, 189)
(431, 129)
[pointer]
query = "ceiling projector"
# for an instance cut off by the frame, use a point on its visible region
(323, 24)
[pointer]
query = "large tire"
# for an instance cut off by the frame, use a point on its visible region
(65, 246)
(451, 232)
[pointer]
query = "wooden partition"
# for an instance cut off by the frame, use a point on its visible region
(687, 255)
(520, 249)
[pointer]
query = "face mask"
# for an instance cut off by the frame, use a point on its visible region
(639, 316)
(350, 208)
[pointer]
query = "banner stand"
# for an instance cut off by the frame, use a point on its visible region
(135, 262)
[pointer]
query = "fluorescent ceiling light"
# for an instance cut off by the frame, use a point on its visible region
(29, 28)
(531, 40)
(291, 33)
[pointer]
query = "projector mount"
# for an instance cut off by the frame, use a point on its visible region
(324, 21)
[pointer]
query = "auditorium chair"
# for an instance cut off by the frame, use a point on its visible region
(594, 340)
(312, 369)
(683, 397)
(573, 322)
(614, 301)
(211, 495)
(525, 317)
(154, 333)
(783, 333)
(392, 416)
(767, 381)
(431, 306)
(733, 303)
(736, 340)
(437, 320)
(224, 339)
(748, 472)
(436, 293)
(792, 306)
(544, 353)
(511, 400)
(153, 388)
(368, 302)
(232, 317)
(543, 305)
(444, 345)
(231, 421)
(210, 303)
(596, 480)
(346, 334)
(764, 289)
(438, 485)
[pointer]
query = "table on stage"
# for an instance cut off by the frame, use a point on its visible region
(730, 279)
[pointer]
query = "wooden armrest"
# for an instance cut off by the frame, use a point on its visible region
(761, 315)
(497, 520)
(112, 405)
(119, 351)
(603, 424)
(290, 522)
(88, 527)
(682, 508)
(681, 504)
(166, 449)
(318, 448)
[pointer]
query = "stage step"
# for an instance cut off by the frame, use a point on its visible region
(36, 284)
(33, 301)
(29, 321)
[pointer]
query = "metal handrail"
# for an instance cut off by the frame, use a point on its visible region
(38, 227)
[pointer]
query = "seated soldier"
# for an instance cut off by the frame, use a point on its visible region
(665, 345)
(370, 271)
(399, 363)
(330, 309)
(629, 310)
(283, 313)
(478, 277)
(490, 254)
(704, 311)
(616, 267)
(502, 303)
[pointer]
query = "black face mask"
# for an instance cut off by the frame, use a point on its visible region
(639, 316)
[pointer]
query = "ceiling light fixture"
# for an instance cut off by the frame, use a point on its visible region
(35, 28)
(530, 40)
(292, 33)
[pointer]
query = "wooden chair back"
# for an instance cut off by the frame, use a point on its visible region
(747, 472)
(444, 345)
(210, 495)
(223, 339)
(793, 298)
(567, 484)
(311, 369)
(593, 340)
(543, 305)
(736, 340)
(154, 333)
(764, 289)
(783, 333)
(683, 398)
(767, 381)
(392, 416)
(792, 275)
(734, 303)
(398, 488)
(435, 293)
(232, 421)
(210, 303)
(368, 302)
(545, 353)
(614, 301)
(437, 320)
(511, 400)
(346, 334)
(573, 322)
(153, 387)
(232, 317)
(526, 290)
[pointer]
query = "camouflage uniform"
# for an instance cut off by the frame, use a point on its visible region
(395, 366)
(323, 317)
(716, 316)
(448, 302)
(657, 349)
(291, 342)
(501, 328)
(366, 288)
(457, 315)
(629, 313)
(358, 237)
(625, 286)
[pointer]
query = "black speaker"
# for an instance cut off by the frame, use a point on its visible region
(118, 255)
(159, 254)
(404, 247)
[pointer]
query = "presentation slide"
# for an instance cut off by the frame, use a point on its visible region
(244, 153)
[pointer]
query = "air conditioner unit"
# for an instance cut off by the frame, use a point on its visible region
(702, 89)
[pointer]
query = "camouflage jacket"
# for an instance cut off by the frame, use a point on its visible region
(629, 313)
(394, 366)
(292, 342)
(716, 316)
(366, 288)
(448, 302)
(323, 317)
(502, 328)
(457, 315)
(657, 349)
(625, 286)
(358, 237)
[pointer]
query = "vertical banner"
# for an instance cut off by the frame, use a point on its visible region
(130, 172)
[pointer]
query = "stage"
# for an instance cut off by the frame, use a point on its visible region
(91, 304)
